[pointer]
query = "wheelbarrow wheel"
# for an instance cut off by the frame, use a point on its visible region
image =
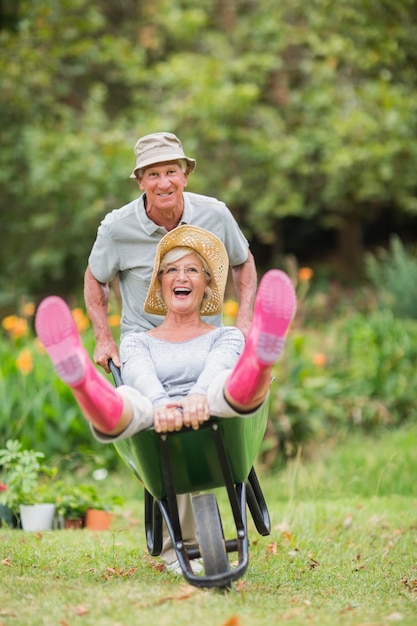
(210, 534)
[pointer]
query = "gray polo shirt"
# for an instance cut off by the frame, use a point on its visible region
(126, 243)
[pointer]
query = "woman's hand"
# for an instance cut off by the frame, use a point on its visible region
(195, 410)
(167, 418)
(191, 411)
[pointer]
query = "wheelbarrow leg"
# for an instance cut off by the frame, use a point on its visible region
(257, 505)
(169, 509)
(153, 525)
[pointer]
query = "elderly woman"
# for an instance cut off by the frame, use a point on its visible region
(183, 371)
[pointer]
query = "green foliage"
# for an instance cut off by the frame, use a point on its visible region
(39, 409)
(22, 474)
(292, 109)
(353, 371)
(365, 377)
(379, 361)
(73, 500)
(393, 274)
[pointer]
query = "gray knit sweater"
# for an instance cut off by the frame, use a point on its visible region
(164, 371)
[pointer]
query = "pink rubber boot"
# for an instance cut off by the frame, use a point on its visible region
(56, 329)
(275, 307)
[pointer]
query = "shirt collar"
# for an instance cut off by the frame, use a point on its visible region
(187, 212)
(150, 227)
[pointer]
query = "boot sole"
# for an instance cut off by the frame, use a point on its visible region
(58, 333)
(275, 307)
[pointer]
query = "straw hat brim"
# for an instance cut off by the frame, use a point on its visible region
(211, 248)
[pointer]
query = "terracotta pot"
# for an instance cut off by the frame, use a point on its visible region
(74, 524)
(97, 519)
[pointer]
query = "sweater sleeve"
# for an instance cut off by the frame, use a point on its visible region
(138, 369)
(224, 353)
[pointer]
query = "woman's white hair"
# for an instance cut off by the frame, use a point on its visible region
(176, 254)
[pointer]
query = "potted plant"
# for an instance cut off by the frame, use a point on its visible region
(72, 502)
(25, 479)
(99, 515)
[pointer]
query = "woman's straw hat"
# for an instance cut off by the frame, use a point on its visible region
(214, 253)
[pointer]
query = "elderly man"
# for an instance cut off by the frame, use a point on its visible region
(127, 239)
(125, 247)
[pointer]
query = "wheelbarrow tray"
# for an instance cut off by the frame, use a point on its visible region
(193, 454)
(220, 453)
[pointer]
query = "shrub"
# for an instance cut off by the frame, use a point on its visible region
(35, 406)
(393, 273)
(364, 376)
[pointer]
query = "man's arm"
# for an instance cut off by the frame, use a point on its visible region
(96, 296)
(245, 282)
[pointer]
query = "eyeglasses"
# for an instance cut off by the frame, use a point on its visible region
(189, 270)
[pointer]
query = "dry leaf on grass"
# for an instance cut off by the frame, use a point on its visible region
(232, 621)
(291, 613)
(7, 613)
(184, 593)
(159, 566)
(111, 572)
(80, 609)
(410, 584)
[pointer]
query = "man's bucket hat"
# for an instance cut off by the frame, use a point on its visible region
(158, 148)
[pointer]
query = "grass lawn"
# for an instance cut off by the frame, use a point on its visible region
(343, 551)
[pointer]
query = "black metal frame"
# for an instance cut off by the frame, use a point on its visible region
(240, 495)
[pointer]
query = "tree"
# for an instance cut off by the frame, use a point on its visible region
(295, 111)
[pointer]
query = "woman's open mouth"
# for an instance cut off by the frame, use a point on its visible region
(182, 291)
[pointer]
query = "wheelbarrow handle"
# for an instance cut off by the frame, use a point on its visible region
(117, 376)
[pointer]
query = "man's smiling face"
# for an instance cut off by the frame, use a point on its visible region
(163, 185)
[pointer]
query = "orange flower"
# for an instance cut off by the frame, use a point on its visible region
(81, 320)
(24, 361)
(28, 309)
(15, 326)
(230, 308)
(8, 322)
(39, 346)
(319, 359)
(305, 274)
(114, 320)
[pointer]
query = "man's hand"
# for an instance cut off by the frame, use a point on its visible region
(106, 349)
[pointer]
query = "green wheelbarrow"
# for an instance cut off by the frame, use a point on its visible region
(220, 454)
